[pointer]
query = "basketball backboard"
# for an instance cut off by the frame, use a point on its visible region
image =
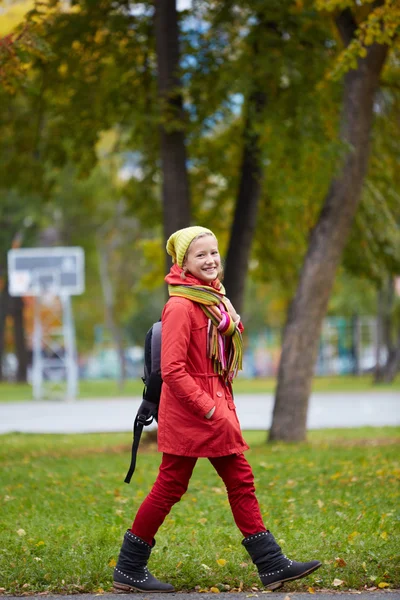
(40, 271)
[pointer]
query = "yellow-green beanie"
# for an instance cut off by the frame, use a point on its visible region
(179, 242)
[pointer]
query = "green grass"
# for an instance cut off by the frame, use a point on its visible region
(11, 392)
(65, 509)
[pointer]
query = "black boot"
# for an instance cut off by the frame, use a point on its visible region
(131, 572)
(274, 568)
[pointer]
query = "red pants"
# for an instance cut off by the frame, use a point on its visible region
(173, 480)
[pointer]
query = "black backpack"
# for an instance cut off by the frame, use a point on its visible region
(148, 410)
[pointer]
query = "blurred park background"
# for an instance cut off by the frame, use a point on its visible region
(276, 124)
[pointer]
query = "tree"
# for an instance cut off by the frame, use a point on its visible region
(175, 187)
(251, 175)
(328, 238)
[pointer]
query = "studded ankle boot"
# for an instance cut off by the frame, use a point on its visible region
(274, 568)
(131, 572)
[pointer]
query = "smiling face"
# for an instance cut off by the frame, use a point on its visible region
(203, 259)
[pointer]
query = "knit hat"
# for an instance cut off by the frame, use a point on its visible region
(179, 242)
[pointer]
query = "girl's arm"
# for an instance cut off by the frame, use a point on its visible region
(176, 333)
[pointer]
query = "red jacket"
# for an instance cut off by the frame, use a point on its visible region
(191, 388)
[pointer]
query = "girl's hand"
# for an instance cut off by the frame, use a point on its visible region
(231, 310)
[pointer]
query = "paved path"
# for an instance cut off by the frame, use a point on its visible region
(254, 411)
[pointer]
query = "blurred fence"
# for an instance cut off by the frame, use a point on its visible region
(347, 346)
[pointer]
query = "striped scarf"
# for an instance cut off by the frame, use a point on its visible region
(224, 340)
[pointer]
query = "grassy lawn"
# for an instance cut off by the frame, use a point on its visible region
(65, 509)
(10, 392)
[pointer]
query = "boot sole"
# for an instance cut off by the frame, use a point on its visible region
(122, 588)
(278, 584)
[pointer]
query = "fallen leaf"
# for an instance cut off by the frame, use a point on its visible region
(112, 563)
(320, 503)
(337, 582)
(206, 567)
(311, 590)
(383, 584)
(214, 590)
(221, 562)
(21, 532)
(340, 562)
(384, 535)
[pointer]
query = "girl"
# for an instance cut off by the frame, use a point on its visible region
(201, 354)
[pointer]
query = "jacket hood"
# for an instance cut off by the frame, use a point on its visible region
(174, 278)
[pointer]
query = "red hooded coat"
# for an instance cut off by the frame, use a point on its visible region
(190, 386)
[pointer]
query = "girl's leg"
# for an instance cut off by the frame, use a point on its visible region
(238, 477)
(273, 567)
(171, 483)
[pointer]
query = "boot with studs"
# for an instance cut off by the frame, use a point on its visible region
(131, 573)
(274, 568)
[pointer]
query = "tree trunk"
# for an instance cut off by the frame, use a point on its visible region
(327, 241)
(4, 308)
(389, 338)
(113, 327)
(17, 311)
(244, 222)
(175, 188)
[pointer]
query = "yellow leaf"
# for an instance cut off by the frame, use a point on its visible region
(214, 590)
(179, 564)
(383, 584)
(112, 563)
(63, 69)
(384, 535)
(311, 590)
(337, 582)
(353, 535)
(221, 562)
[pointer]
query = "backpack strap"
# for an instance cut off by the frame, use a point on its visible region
(148, 409)
(145, 416)
(137, 433)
